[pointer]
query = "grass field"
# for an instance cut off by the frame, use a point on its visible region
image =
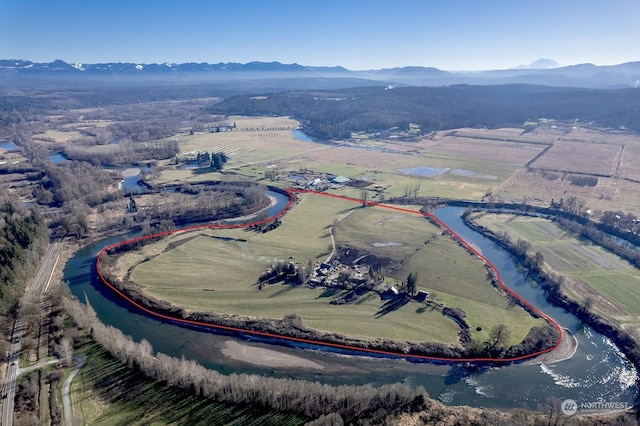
(443, 267)
(217, 271)
(613, 283)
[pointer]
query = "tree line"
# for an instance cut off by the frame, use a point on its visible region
(124, 153)
(310, 399)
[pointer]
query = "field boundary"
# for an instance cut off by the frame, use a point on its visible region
(365, 351)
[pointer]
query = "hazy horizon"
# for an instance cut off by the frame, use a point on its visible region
(460, 35)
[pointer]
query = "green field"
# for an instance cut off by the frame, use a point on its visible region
(444, 268)
(217, 271)
(582, 263)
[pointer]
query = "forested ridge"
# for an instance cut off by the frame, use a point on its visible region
(335, 114)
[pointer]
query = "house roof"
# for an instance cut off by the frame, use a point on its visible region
(341, 179)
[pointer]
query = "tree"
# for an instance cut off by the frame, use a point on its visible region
(498, 337)
(216, 162)
(66, 351)
(587, 303)
(364, 197)
(538, 260)
(412, 281)
(522, 247)
(416, 188)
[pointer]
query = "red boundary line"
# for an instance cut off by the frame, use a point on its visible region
(290, 192)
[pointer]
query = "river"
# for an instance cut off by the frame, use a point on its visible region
(597, 372)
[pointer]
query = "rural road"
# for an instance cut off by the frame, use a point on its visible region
(37, 287)
(66, 399)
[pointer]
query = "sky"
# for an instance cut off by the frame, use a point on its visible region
(357, 34)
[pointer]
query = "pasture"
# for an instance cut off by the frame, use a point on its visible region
(217, 271)
(613, 283)
(443, 267)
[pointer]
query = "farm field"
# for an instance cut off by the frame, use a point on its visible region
(580, 157)
(262, 145)
(474, 164)
(217, 271)
(629, 163)
(611, 283)
(254, 140)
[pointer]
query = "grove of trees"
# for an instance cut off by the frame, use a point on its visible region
(334, 114)
(23, 240)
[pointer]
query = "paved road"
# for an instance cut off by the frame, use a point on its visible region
(66, 400)
(37, 287)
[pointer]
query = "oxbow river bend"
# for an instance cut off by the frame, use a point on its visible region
(597, 372)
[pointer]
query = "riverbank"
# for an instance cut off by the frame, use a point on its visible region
(629, 346)
(292, 328)
(565, 351)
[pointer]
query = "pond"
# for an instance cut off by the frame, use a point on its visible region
(57, 157)
(8, 146)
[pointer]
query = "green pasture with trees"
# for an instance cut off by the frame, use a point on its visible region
(217, 271)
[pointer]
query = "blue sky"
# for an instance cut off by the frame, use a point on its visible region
(357, 34)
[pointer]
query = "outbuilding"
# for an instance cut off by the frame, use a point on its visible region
(422, 296)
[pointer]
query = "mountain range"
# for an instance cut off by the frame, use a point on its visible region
(542, 72)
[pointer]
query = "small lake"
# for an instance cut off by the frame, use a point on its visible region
(57, 157)
(9, 146)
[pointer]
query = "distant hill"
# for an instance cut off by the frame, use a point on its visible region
(545, 72)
